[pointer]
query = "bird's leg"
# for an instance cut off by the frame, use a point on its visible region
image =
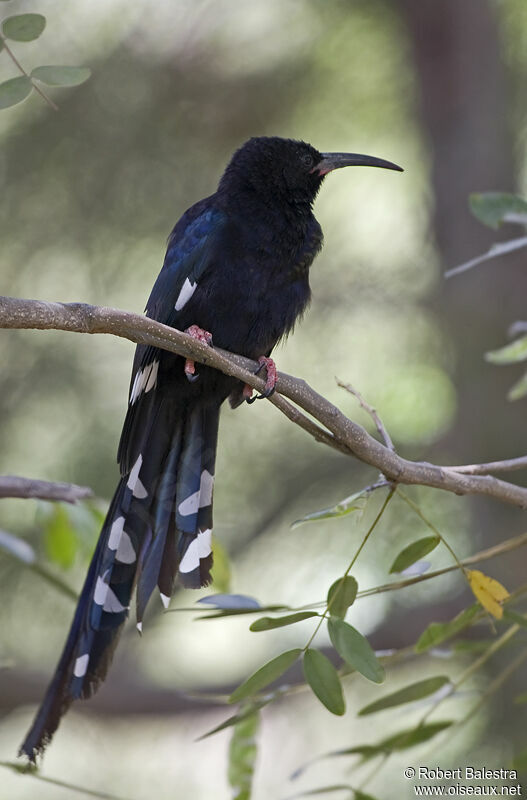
(270, 382)
(202, 336)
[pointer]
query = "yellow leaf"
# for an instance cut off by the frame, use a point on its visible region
(488, 591)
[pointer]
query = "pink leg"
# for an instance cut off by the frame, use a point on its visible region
(270, 382)
(202, 336)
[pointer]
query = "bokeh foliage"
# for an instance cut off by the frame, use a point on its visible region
(89, 196)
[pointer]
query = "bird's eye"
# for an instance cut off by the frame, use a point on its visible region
(307, 159)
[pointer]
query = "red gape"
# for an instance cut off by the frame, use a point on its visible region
(202, 336)
(270, 382)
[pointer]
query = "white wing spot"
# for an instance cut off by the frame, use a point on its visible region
(185, 294)
(81, 665)
(138, 490)
(145, 380)
(134, 393)
(152, 378)
(164, 599)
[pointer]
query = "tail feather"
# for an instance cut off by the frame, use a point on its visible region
(161, 512)
(159, 520)
(194, 497)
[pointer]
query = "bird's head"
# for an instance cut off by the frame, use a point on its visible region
(276, 170)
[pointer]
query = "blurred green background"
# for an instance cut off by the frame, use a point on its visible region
(89, 196)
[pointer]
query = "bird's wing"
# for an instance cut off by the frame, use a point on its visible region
(192, 249)
(190, 252)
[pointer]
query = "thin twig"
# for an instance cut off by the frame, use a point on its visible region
(19, 66)
(509, 465)
(483, 555)
(383, 433)
(341, 432)
(15, 486)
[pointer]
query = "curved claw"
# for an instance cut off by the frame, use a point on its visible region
(263, 396)
(266, 393)
(270, 383)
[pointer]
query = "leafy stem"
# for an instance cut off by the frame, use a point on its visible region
(19, 66)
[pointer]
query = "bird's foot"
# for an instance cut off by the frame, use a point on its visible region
(270, 382)
(202, 336)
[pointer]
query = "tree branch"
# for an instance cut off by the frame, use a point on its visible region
(508, 465)
(15, 486)
(333, 428)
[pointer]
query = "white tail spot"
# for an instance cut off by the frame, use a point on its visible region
(204, 543)
(125, 552)
(190, 560)
(199, 499)
(106, 597)
(81, 665)
(138, 490)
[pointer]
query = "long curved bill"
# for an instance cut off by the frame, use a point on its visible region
(331, 161)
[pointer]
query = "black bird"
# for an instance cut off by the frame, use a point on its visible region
(236, 268)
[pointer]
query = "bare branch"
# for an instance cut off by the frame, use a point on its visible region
(341, 433)
(383, 433)
(509, 465)
(15, 486)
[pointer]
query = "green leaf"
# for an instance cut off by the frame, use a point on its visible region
(242, 756)
(61, 76)
(399, 741)
(415, 736)
(221, 567)
(414, 552)
(267, 623)
(14, 91)
(355, 649)
(60, 540)
(23, 27)
(342, 509)
(246, 710)
(438, 632)
(519, 389)
(416, 691)
(491, 208)
(521, 698)
(510, 354)
(323, 679)
(342, 595)
(270, 672)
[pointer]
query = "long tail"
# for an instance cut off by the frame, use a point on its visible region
(159, 522)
